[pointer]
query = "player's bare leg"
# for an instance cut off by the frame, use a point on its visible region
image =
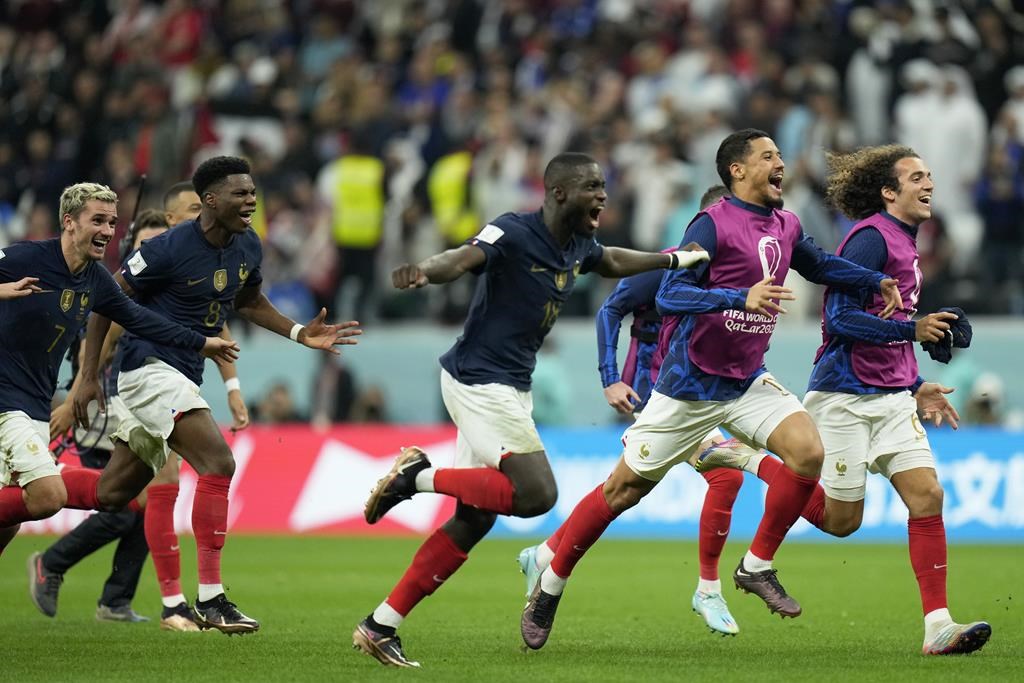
(199, 441)
(797, 442)
(437, 559)
(921, 492)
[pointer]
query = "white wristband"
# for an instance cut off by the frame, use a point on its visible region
(294, 334)
(232, 384)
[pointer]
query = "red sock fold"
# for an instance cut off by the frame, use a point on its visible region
(436, 560)
(161, 538)
(588, 520)
(787, 495)
(210, 524)
(81, 483)
(928, 558)
(481, 487)
(814, 510)
(12, 506)
(715, 518)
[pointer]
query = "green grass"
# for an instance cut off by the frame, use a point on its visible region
(625, 617)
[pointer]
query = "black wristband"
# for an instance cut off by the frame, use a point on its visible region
(673, 261)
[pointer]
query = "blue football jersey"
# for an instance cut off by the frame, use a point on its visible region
(184, 278)
(523, 285)
(37, 330)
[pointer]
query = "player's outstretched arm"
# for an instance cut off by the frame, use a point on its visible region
(23, 287)
(440, 268)
(253, 305)
(619, 262)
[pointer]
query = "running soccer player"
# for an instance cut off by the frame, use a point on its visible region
(35, 334)
(714, 373)
(628, 393)
(528, 265)
(864, 392)
(194, 274)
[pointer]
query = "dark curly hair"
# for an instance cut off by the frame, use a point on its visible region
(855, 180)
(214, 170)
(735, 147)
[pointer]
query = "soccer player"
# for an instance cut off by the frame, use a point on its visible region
(714, 373)
(35, 334)
(194, 274)
(628, 393)
(528, 265)
(865, 391)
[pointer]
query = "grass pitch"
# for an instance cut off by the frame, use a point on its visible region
(625, 616)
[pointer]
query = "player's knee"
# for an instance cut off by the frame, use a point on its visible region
(725, 483)
(221, 464)
(927, 502)
(536, 499)
(46, 501)
(844, 527)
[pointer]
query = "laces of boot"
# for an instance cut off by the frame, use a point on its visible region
(544, 610)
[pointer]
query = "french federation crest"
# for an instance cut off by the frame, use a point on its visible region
(220, 279)
(242, 272)
(67, 297)
(84, 302)
(576, 270)
(562, 279)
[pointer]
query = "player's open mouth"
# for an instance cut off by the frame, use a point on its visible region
(100, 243)
(595, 214)
(927, 200)
(775, 180)
(246, 217)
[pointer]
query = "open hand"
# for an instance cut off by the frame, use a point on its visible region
(220, 350)
(890, 290)
(320, 335)
(622, 397)
(762, 297)
(932, 402)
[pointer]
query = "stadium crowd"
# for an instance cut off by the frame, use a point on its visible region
(423, 116)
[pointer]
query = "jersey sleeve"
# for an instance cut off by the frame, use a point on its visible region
(150, 266)
(631, 293)
(113, 303)
(498, 241)
(844, 310)
(593, 256)
(255, 278)
(12, 266)
(818, 266)
(682, 291)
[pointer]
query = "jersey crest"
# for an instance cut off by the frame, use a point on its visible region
(67, 297)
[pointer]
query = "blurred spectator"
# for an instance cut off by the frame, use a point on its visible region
(276, 406)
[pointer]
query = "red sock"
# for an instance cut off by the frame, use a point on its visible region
(814, 511)
(12, 506)
(787, 495)
(210, 524)
(556, 538)
(480, 487)
(588, 520)
(81, 483)
(163, 542)
(436, 560)
(715, 518)
(928, 558)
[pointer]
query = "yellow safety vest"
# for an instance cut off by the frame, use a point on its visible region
(448, 187)
(358, 201)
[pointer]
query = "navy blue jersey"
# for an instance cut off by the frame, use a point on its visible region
(523, 285)
(634, 295)
(847, 321)
(184, 278)
(37, 330)
(683, 293)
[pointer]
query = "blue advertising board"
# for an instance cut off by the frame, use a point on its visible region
(981, 470)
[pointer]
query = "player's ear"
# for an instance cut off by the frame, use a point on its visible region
(888, 193)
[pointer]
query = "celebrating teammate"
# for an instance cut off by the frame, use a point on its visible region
(528, 265)
(864, 391)
(35, 334)
(714, 373)
(193, 274)
(628, 393)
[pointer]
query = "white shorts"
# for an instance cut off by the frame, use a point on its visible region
(150, 399)
(24, 449)
(668, 430)
(863, 433)
(494, 420)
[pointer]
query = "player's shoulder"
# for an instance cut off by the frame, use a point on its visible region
(29, 249)
(514, 222)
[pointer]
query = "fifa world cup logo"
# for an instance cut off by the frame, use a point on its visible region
(770, 253)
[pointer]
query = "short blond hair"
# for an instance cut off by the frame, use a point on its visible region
(73, 199)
